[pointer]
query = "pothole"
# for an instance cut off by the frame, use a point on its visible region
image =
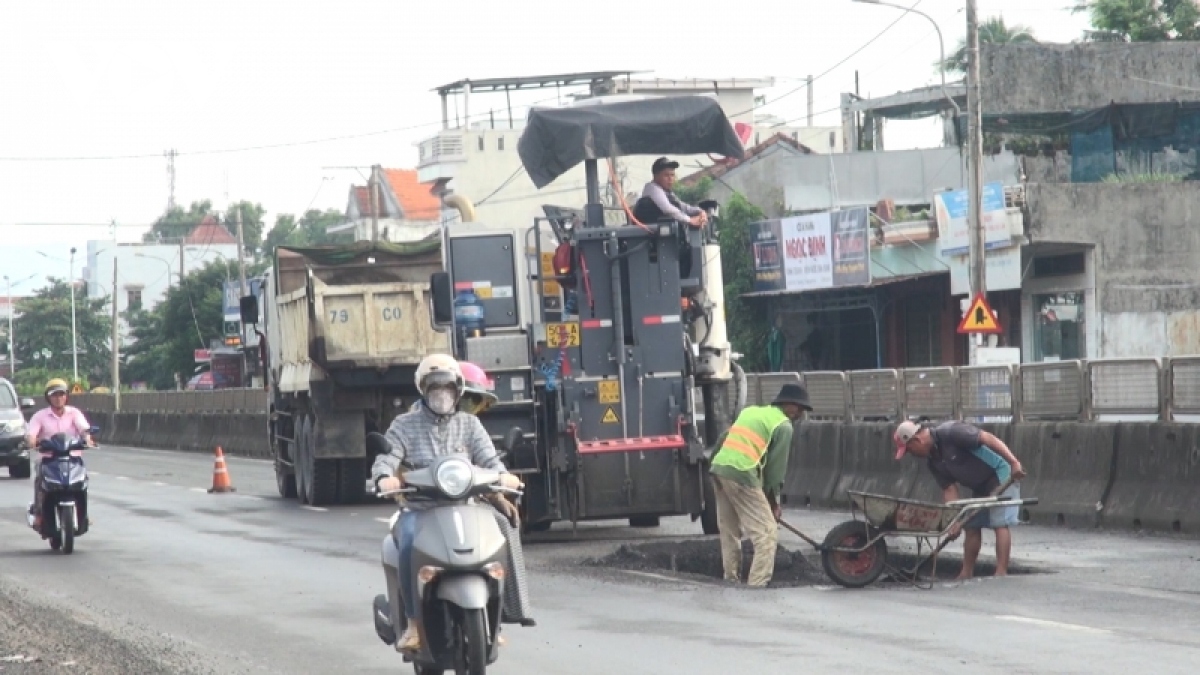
(700, 560)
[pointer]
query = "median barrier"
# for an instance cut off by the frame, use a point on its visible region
(1157, 478)
(814, 464)
(869, 463)
(1070, 469)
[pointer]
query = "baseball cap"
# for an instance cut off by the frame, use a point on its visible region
(903, 435)
(663, 163)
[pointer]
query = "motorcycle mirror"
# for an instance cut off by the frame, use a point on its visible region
(27, 403)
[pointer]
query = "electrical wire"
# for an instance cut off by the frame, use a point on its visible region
(834, 67)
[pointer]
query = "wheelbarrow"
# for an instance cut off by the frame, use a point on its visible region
(855, 553)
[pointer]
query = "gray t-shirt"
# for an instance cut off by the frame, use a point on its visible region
(958, 456)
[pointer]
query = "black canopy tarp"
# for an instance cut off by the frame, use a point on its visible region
(557, 139)
(340, 254)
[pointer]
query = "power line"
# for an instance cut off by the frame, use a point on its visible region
(834, 67)
(251, 148)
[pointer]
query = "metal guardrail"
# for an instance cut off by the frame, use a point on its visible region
(1165, 388)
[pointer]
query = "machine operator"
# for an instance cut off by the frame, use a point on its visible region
(658, 201)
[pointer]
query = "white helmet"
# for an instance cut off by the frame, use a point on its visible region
(439, 369)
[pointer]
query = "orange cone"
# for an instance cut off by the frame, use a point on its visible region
(221, 475)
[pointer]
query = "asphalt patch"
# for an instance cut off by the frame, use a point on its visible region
(700, 560)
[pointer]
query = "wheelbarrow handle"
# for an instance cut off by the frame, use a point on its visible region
(800, 534)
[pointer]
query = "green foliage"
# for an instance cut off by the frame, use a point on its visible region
(992, 32)
(748, 323)
(252, 224)
(189, 318)
(44, 323)
(309, 231)
(177, 223)
(694, 194)
(1142, 20)
(31, 382)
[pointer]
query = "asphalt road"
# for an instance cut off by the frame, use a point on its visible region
(174, 580)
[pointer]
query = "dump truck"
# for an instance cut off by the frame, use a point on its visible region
(344, 328)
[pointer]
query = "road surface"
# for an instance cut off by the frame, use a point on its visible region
(174, 580)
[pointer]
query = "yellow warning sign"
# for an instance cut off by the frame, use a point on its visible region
(549, 287)
(610, 417)
(610, 391)
(980, 318)
(76, 389)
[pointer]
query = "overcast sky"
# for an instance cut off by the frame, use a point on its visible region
(114, 84)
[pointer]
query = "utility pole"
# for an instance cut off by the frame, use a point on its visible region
(171, 155)
(242, 279)
(12, 349)
(116, 344)
(74, 339)
(978, 261)
(181, 240)
(374, 187)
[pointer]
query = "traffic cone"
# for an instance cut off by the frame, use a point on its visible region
(221, 475)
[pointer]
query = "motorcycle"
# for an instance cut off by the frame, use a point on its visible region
(458, 557)
(65, 491)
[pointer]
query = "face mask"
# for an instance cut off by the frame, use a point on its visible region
(440, 401)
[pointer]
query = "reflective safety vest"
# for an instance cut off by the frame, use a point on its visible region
(745, 446)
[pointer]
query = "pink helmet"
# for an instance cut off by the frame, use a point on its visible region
(476, 396)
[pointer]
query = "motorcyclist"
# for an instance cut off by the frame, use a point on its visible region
(59, 418)
(436, 428)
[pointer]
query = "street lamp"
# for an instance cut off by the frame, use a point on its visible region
(941, 46)
(12, 310)
(74, 341)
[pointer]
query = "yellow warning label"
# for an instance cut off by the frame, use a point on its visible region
(610, 417)
(549, 287)
(610, 391)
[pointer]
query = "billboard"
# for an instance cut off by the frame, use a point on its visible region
(950, 209)
(812, 252)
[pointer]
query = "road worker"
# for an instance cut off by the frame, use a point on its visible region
(748, 472)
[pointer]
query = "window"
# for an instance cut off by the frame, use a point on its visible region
(1059, 265)
(1058, 327)
(481, 143)
(500, 143)
(922, 331)
(133, 299)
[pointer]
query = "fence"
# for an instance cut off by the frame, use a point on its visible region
(1166, 389)
(1147, 389)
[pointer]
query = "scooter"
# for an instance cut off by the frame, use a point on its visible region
(458, 556)
(65, 485)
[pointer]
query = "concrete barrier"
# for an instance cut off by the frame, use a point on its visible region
(814, 465)
(241, 434)
(869, 465)
(1157, 479)
(1070, 470)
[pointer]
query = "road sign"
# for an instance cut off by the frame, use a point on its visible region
(980, 319)
(76, 389)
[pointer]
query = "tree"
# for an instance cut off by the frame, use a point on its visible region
(311, 230)
(43, 326)
(992, 32)
(1142, 20)
(252, 224)
(177, 223)
(189, 318)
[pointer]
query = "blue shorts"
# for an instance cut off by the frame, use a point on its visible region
(999, 516)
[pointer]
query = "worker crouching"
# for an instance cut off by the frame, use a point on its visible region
(748, 472)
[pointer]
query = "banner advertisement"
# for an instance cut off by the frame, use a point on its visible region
(1002, 271)
(950, 209)
(812, 252)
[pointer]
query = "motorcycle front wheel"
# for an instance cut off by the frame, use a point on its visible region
(473, 641)
(66, 524)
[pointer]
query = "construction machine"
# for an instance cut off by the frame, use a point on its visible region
(606, 340)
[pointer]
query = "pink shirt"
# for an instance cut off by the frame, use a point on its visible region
(45, 423)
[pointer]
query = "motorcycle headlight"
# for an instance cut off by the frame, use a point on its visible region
(454, 477)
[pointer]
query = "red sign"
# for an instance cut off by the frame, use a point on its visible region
(202, 356)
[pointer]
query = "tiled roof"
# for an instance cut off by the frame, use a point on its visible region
(416, 201)
(724, 167)
(209, 232)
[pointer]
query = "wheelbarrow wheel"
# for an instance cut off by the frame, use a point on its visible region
(854, 570)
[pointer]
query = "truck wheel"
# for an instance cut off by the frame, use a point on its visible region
(300, 461)
(285, 480)
(352, 481)
(323, 488)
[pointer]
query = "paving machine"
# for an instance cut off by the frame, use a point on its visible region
(606, 341)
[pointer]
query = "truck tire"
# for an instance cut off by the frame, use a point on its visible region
(352, 481)
(20, 470)
(323, 489)
(285, 480)
(708, 517)
(300, 465)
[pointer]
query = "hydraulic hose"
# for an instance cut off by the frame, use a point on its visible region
(740, 378)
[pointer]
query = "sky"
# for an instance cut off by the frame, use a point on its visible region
(288, 104)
